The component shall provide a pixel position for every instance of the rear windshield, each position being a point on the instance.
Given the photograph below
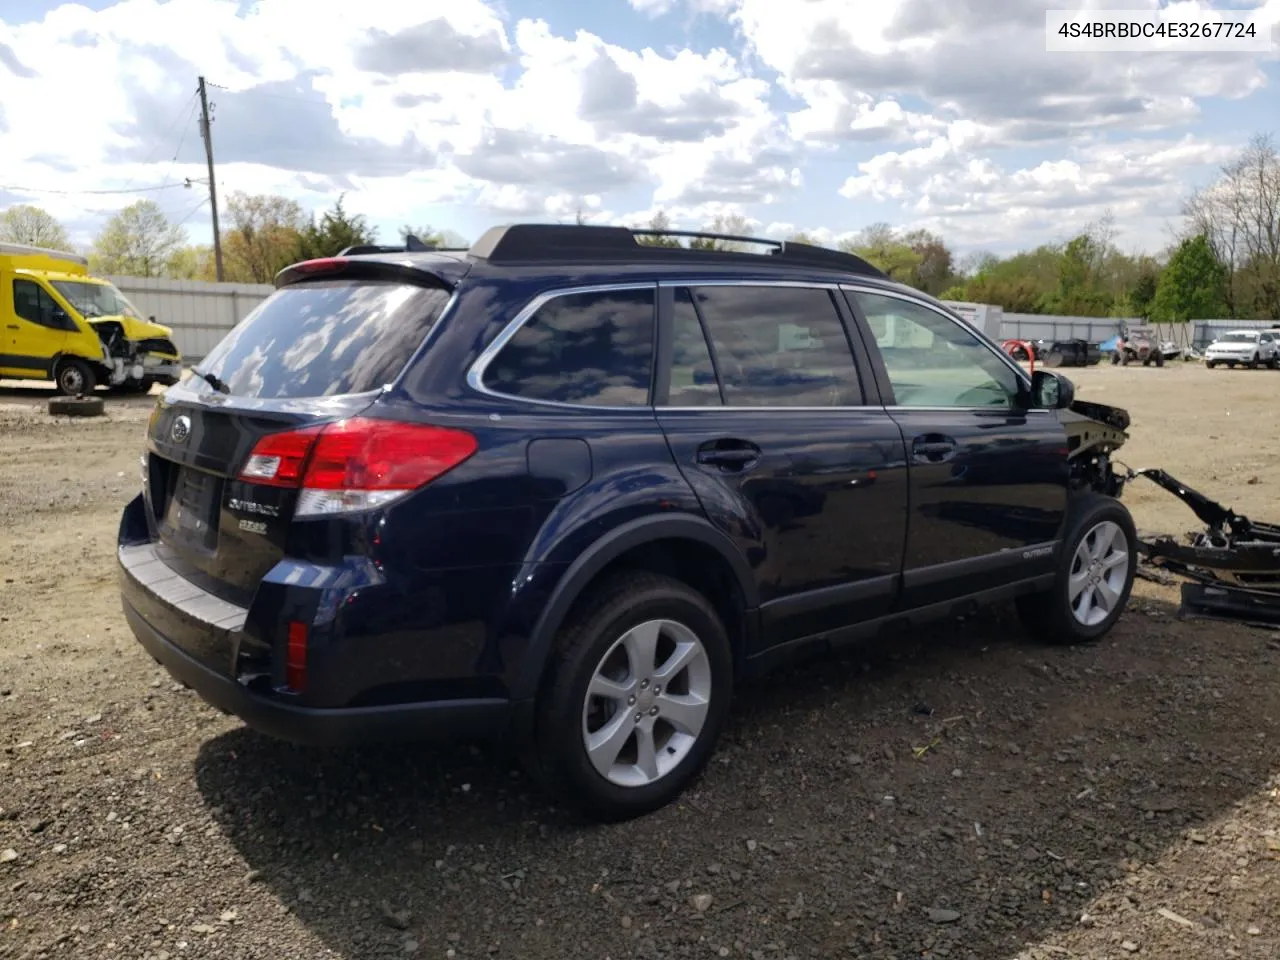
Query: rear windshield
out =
(320, 338)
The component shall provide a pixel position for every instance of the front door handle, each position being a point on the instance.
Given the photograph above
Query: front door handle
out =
(13, 326)
(735, 455)
(933, 448)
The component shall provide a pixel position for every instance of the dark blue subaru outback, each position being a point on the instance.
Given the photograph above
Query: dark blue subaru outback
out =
(569, 487)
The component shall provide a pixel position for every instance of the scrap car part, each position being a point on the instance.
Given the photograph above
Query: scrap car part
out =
(1233, 563)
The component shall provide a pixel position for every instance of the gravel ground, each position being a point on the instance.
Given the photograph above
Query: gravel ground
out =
(1115, 801)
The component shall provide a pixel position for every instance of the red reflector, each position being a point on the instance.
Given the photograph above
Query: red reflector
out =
(295, 664)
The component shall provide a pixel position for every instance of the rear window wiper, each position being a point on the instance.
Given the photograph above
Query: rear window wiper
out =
(212, 381)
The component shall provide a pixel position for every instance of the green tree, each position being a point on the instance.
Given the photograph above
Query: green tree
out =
(334, 232)
(266, 235)
(190, 263)
(1078, 290)
(1193, 285)
(24, 223)
(137, 241)
(937, 267)
(733, 224)
(879, 246)
(659, 222)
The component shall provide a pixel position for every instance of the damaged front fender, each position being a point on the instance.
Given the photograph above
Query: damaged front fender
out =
(1094, 432)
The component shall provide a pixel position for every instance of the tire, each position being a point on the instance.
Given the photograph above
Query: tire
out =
(1054, 359)
(1210, 364)
(1159, 357)
(1272, 362)
(1253, 364)
(74, 378)
(601, 636)
(1115, 358)
(1049, 615)
(76, 406)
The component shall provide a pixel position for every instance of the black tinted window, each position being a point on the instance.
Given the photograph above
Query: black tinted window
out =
(693, 378)
(30, 302)
(779, 346)
(590, 348)
(327, 337)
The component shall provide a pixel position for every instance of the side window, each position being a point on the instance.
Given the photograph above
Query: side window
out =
(932, 361)
(693, 377)
(30, 302)
(589, 348)
(779, 346)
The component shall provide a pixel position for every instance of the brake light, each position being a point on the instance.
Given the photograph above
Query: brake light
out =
(356, 464)
(320, 265)
(295, 659)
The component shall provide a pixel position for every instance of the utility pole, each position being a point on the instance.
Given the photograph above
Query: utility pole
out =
(207, 134)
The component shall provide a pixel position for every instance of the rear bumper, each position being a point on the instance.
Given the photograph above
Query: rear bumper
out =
(186, 604)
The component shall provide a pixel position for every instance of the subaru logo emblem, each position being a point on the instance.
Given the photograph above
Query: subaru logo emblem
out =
(180, 430)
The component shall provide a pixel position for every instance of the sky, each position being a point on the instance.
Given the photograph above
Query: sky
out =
(821, 116)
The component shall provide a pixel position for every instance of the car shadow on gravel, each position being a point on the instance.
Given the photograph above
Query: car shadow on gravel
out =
(959, 792)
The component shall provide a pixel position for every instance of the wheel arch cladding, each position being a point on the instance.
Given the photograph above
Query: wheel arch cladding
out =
(687, 548)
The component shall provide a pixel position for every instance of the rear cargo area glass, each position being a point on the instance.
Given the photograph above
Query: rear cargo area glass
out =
(325, 337)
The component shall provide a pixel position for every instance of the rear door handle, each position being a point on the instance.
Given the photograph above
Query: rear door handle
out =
(728, 454)
(933, 448)
(13, 326)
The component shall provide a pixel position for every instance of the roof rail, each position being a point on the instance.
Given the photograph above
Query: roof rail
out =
(542, 242)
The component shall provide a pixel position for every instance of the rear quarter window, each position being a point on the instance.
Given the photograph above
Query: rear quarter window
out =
(593, 348)
(327, 337)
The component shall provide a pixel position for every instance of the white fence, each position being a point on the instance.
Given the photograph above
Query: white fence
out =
(201, 314)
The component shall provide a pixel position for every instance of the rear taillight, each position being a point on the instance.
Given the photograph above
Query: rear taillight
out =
(356, 464)
(278, 458)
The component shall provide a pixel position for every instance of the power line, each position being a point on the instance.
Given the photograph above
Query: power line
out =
(192, 212)
(76, 193)
(182, 139)
(188, 103)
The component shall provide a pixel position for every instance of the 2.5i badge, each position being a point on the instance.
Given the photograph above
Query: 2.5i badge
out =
(254, 526)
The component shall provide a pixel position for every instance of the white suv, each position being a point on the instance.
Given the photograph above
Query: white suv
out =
(1246, 347)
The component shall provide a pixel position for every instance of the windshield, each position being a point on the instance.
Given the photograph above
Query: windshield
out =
(95, 299)
(1237, 338)
(321, 338)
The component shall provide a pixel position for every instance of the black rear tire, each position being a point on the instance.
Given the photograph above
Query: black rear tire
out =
(1159, 359)
(74, 377)
(558, 757)
(1049, 615)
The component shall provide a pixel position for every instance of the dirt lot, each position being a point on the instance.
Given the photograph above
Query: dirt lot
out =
(1115, 801)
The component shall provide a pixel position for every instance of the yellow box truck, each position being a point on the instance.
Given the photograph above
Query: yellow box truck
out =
(59, 323)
